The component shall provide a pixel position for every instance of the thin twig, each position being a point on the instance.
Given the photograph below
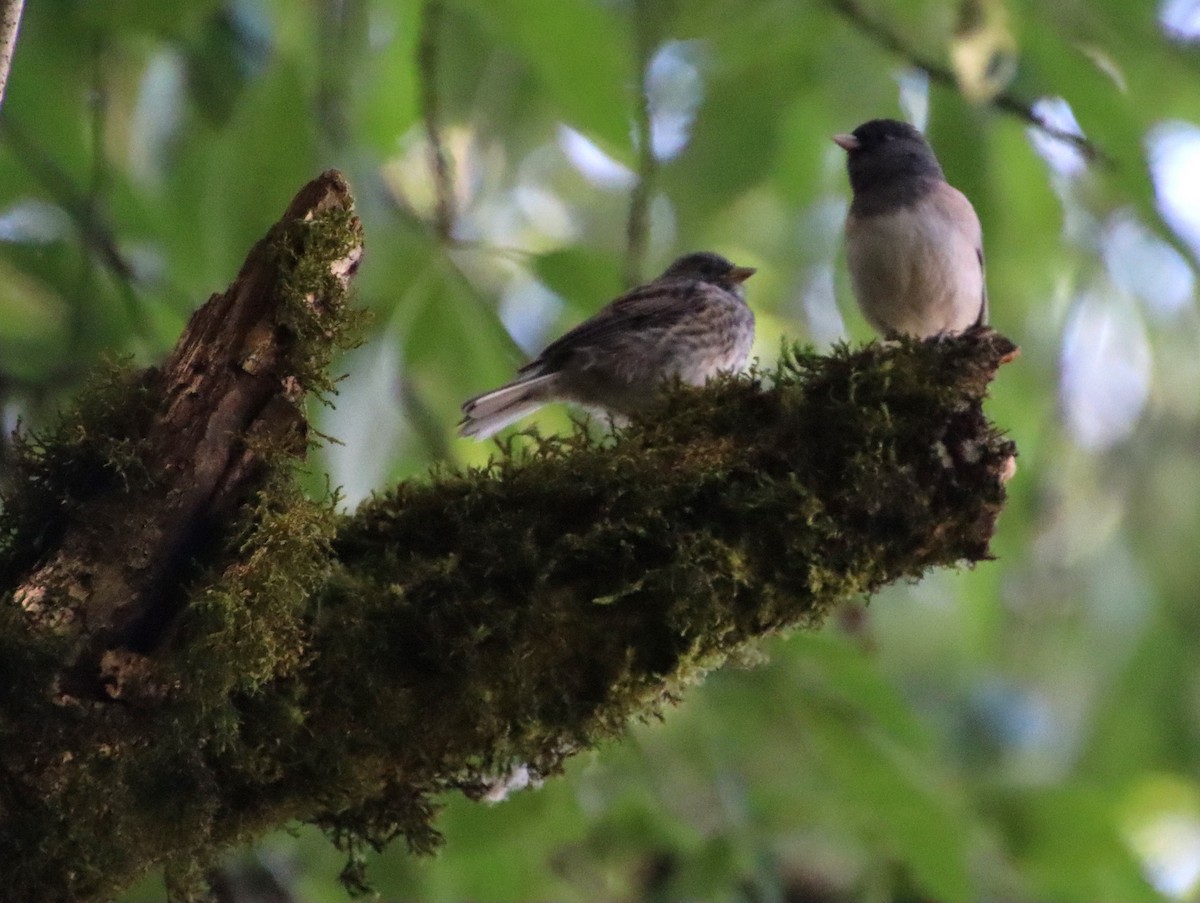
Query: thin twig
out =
(507, 252)
(882, 35)
(342, 28)
(97, 191)
(10, 24)
(97, 234)
(638, 226)
(439, 159)
(426, 420)
(60, 185)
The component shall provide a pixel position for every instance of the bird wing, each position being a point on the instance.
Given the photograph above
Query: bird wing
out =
(953, 204)
(983, 308)
(655, 306)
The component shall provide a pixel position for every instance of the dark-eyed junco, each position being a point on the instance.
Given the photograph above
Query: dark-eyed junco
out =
(690, 323)
(914, 245)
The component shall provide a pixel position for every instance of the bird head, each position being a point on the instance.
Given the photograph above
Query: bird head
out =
(708, 267)
(886, 150)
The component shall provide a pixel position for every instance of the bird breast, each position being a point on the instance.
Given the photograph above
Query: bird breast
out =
(917, 270)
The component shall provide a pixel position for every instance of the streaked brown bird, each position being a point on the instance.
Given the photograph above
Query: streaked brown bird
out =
(914, 246)
(690, 323)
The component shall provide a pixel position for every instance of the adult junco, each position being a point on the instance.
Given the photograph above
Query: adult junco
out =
(691, 322)
(914, 245)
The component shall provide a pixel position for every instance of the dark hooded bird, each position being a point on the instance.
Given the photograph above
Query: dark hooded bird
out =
(688, 324)
(914, 246)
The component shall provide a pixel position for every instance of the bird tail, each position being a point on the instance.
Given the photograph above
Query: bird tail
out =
(492, 411)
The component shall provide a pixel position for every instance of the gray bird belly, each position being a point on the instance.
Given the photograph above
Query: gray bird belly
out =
(913, 274)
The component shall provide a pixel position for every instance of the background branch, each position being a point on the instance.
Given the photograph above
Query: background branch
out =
(439, 157)
(340, 39)
(1010, 103)
(637, 230)
(10, 24)
(97, 234)
(94, 201)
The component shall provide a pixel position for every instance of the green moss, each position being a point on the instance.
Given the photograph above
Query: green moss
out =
(188, 760)
(94, 447)
(314, 257)
(522, 611)
(247, 620)
(347, 670)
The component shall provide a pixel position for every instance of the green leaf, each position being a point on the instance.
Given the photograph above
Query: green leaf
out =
(1068, 846)
(229, 185)
(847, 679)
(33, 323)
(586, 279)
(867, 743)
(581, 53)
(385, 102)
(896, 806)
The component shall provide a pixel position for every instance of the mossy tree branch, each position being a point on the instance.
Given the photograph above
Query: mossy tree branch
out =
(469, 631)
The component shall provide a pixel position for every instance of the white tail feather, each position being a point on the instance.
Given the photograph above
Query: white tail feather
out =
(492, 411)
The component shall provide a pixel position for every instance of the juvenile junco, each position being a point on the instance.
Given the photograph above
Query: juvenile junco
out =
(914, 245)
(691, 322)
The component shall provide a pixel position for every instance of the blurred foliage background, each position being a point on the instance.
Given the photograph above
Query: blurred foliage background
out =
(1029, 730)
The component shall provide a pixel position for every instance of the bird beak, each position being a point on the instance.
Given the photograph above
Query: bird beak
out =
(846, 142)
(741, 274)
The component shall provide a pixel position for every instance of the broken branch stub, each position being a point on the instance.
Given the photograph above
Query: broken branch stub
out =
(232, 388)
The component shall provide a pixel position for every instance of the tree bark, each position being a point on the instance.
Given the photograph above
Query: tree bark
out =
(192, 653)
(231, 388)
(10, 24)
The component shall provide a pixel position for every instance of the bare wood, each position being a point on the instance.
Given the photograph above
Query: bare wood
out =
(230, 384)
